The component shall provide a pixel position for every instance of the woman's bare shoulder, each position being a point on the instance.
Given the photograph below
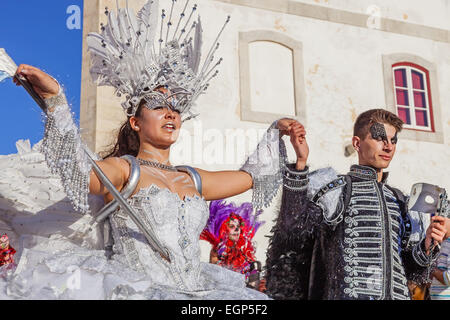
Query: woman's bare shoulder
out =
(116, 163)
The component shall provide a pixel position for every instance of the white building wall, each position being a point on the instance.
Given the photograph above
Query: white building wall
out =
(433, 13)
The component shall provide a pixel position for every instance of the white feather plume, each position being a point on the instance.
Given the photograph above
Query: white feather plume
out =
(7, 66)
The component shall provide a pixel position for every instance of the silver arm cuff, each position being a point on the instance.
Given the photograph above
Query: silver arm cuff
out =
(420, 256)
(265, 166)
(294, 180)
(64, 152)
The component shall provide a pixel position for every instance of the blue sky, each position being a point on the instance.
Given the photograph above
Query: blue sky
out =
(36, 33)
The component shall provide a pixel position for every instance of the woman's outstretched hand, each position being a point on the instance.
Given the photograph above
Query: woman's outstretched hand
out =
(297, 133)
(44, 85)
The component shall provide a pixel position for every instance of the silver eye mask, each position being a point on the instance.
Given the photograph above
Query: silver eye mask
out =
(177, 100)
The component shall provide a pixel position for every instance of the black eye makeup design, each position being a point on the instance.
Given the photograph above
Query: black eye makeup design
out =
(394, 139)
(378, 132)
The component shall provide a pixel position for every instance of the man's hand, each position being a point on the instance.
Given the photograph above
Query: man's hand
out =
(297, 133)
(284, 125)
(44, 85)
(436, 231)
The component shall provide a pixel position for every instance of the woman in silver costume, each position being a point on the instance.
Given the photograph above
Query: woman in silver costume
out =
(161, 83)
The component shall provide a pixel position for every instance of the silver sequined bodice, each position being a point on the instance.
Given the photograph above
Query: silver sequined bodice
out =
(177, 223)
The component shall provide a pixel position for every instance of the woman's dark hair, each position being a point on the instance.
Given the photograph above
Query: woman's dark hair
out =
(127, 139)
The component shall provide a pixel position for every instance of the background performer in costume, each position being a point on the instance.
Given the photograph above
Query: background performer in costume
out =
(230, 231)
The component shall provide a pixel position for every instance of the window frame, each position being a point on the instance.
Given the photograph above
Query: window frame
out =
(409, 67)
(245, 39)
(388, 63)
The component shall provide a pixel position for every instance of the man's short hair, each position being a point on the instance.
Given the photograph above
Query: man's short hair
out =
(366, 119)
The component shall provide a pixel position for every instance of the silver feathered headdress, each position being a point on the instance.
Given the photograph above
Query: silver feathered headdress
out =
(136, 55)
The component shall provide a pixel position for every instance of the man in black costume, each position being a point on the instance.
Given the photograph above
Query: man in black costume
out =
(349, 236)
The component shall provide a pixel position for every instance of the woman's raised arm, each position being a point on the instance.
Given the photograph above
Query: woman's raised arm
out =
(224, 184)
(63, 147)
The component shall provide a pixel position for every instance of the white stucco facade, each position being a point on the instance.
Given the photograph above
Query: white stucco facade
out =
(331, 53)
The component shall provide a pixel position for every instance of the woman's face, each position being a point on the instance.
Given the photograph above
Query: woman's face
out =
(159, 127)
(234, 230)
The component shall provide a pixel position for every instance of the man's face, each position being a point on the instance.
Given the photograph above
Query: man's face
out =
(378, 148)
(234, 230)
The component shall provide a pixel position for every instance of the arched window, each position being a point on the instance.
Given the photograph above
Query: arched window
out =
(412, 92)
(413, 96)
